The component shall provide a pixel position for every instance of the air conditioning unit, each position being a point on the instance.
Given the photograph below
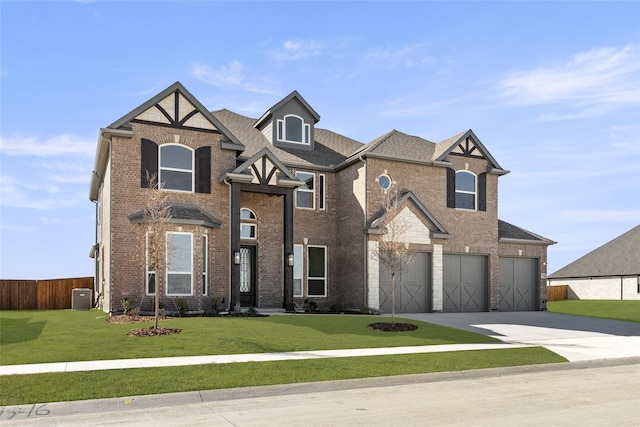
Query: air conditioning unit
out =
(81, 299)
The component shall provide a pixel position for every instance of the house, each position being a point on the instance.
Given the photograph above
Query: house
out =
(272, 212)
(610, 272)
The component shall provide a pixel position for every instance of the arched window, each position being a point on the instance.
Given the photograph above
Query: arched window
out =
(293, 129)
(176, 167)
(465, 190)
(248, 226)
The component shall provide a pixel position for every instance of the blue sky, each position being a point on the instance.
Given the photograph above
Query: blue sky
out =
(552, 89)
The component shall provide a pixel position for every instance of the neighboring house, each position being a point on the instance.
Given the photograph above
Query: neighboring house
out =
(611, 271)
(274, 211)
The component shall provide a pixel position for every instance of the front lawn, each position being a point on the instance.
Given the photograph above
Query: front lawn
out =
(42, 388)
(628, 311)
(65, 335)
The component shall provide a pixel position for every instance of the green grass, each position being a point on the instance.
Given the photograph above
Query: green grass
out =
(66, 335)
(628, 311)
(24, 389)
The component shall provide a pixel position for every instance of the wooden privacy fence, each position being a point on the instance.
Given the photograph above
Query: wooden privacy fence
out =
(40, 294)
(557, 293)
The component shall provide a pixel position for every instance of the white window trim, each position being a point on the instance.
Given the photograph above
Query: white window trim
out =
(325, 278)
(146, 268)
(385, 174)
(282, 135)
(313, 192)
(252, 226)
(205, 264)
(301, 260)
(322, 188)
(192, 170)
(249, 222)
(474, 192)
(167, 272)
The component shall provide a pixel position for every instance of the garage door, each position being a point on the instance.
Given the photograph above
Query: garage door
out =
(518, 290)
(413, 286)
(465, 283)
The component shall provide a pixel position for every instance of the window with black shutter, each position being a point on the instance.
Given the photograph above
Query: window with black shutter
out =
(203, 170)
(148, 162)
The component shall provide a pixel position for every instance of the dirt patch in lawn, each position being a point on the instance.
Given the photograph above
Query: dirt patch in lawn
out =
(143, 332)
(393, 327)
(153, 332)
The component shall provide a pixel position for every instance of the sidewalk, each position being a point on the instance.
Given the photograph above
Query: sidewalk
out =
(99, 365)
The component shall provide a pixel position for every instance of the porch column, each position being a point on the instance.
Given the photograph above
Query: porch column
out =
(288, 249)
(437, 281)
(235, 244)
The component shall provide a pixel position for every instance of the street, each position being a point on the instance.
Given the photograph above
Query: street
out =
(580, 395)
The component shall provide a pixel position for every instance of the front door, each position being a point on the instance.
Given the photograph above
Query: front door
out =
(248, 276)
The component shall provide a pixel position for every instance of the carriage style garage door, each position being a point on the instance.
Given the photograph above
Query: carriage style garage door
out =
(518, 291)
(465, 283)
(413, 286)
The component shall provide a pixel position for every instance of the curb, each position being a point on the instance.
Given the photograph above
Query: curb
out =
(120, 404)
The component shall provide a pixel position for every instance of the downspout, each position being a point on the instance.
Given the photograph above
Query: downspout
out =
(621, 288)
(96, 261)
(229, 246)
(365, 238)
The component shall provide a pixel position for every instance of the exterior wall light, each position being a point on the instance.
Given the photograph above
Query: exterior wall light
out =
(290, 260)
(236, 258)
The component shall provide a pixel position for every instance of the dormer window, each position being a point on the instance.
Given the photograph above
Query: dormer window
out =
(293, 129)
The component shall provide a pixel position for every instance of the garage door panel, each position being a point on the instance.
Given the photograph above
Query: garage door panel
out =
(517, 284)
(412, 286)
(465, 283)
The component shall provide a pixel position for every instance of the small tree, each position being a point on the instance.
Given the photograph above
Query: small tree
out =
(151, 230)
(393, 251)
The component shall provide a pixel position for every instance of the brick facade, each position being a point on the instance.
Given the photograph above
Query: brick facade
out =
(351, 197)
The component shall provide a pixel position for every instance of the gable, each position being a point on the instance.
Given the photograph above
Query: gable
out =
(410, 229)
(468, 145)
(177, 108)
(412, 223)
(467, 148)
(264, 168)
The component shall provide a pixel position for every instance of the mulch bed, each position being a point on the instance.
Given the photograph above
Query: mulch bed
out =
(393, 327)
(143, 332)
(153, 332)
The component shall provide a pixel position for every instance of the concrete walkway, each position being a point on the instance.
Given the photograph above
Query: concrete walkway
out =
(100, 365)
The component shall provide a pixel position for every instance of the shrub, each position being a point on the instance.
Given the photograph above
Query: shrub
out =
(215, 305)
(183, 307)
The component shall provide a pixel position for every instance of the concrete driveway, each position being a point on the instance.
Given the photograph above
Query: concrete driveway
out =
(573, 337)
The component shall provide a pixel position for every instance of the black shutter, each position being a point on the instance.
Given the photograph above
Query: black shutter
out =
(203, 170)
(148, 162)
(451, 188)
(482, 192)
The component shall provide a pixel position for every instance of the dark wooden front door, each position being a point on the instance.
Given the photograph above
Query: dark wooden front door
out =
(248, 276)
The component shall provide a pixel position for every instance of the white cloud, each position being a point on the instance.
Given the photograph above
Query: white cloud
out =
(294, 50)
(59, 145)
(228, 75)
(20, 194)
(594, 82)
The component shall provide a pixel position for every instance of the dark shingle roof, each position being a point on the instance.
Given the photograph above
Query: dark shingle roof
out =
(330, 147)
(509, 232)
(182, 213)
(400, 146)
(619, 257)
